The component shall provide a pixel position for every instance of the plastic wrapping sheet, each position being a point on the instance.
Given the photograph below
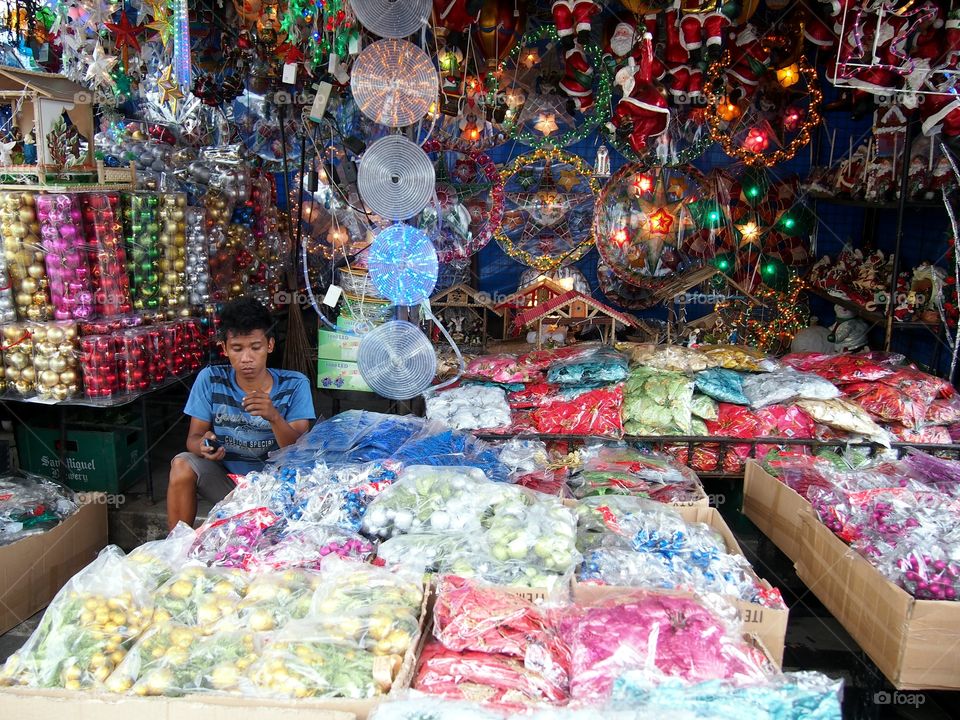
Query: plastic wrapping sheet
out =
(502, 368)
(596, 411)
(156, 561)
(623, 470)
(784, 386)
(482, 618)
(594, 365)
(841, 414)
(943, 412)
(470, 407)
(30, 505)
(839, 368)
(426, 707)
(791, 696)
(722, 385)
(86, 630)
(543, 359)
(738, 357)
(677, 358)
(666, 636)
(534, 395)
(657, 402)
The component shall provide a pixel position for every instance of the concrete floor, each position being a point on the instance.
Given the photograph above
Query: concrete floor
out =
(815, 641)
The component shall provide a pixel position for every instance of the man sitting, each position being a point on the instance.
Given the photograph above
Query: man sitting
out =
(238, 413)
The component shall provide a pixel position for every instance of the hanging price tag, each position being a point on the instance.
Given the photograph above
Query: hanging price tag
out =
(289, 73)
(332, 296)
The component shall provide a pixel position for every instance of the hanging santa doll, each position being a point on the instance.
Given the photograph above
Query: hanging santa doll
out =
(577, 81)
(573, 18)
(642, 112)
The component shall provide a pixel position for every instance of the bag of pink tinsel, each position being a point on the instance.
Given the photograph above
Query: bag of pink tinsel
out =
(663, 635)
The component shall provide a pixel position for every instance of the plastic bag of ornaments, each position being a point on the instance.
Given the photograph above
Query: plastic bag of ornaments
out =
(150, 149)
(24, 257)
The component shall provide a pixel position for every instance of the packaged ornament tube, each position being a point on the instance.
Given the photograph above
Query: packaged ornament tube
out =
(98, 361)
(142, 228)
(18, 368)
(109, 325)
(219, 209)
(268, 243)
(55, 360)
(133, 374)
(8, 312)
(198, 257)
(193, 345)
(173, 257)
(106, 253)
(24, 256)
(156, 349)
(68, 267)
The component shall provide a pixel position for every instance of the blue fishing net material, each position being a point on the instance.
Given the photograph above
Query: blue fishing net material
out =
(358, 436)
(792, 696)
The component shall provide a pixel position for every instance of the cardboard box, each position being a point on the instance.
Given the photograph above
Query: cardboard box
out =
(337, 346)
(339, 375)
(768, 624)
(34, 569)
(32, 704)
(97, 460)
(774, 508)
(915, 643)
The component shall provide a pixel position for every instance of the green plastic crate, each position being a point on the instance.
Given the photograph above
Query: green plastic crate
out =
(97, 460)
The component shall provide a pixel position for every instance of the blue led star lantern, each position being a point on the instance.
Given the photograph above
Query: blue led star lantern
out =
(403, 264)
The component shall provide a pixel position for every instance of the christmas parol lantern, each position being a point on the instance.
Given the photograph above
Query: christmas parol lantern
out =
(547, 95)
(549, 199)
(751, 227)
(642, 221)
(469, 202)
(759, 113)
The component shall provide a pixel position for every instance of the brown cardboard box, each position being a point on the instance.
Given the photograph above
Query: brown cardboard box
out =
(774, 508)
(32, 704)
(34, 569)
(915, 643)
(768, 624)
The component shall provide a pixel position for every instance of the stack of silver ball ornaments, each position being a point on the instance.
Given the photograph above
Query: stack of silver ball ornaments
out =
(152, 157)
(198, 256)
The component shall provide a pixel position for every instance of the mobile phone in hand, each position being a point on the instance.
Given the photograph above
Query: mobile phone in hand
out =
(212, 444)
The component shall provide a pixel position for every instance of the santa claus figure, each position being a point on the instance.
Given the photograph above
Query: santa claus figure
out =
(750, 60)
(574, 18)
(577, 81)
(642, 112)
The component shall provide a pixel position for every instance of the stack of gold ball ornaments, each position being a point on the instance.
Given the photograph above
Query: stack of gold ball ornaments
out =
(55, 360)
(142, 230)
(24, 256)
(173, 258)
(18, 370)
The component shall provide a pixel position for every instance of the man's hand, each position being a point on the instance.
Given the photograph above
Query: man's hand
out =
(211, 453)
(259, 404)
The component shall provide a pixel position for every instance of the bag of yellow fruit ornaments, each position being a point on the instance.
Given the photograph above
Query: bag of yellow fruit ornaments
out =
(203, 597)
(174, 660)
(369, 607)
(87, 629)
(156, 561)
(275, 598)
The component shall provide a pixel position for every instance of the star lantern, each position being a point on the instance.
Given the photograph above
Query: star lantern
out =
(660, 222)
(789, 75)
(125, 36)
(546, 124)
(100, 67)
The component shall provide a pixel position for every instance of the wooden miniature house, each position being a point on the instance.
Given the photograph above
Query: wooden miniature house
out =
(37, 101)
(527, 297)
(572, 309)
(464, 312)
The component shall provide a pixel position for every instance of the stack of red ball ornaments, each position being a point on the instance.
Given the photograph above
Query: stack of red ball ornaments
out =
(104, 244)
(98, 360)
(132, 361)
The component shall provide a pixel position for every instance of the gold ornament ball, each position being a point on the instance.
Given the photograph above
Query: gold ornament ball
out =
(70, 332)
(11, 373)
(57, 363)
(23, 387)
(62, 392)
(55, 334)
(41, 363)
(36, 272)
(18, 230)
(29, 374)
(68, 377)
(28, 285)
(26, 215)
(24, 299)
(17, 359)
(27, 199)
(66, 349)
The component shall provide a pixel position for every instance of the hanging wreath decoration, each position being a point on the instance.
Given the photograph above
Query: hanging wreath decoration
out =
(549, 198)
(768, 123)
(470, 200)
(547, 100)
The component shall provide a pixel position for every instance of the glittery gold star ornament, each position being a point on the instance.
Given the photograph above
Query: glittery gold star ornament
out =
(170, 92)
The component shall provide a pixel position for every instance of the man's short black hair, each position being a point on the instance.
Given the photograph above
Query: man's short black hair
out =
(244, 316)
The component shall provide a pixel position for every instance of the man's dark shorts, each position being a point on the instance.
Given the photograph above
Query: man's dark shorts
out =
(213, 482)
